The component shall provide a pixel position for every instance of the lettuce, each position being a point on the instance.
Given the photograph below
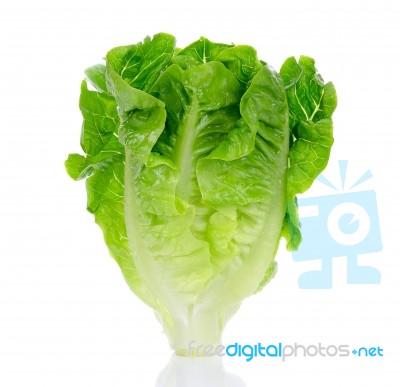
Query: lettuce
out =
(193, 160)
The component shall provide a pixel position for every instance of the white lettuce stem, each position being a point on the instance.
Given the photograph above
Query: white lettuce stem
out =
(196, 334)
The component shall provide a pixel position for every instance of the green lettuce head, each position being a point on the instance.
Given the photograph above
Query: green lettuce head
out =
(193, 159)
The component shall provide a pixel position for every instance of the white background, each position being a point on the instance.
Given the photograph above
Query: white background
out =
(66, 316)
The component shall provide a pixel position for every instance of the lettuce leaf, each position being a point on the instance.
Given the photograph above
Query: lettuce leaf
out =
(311, 105)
